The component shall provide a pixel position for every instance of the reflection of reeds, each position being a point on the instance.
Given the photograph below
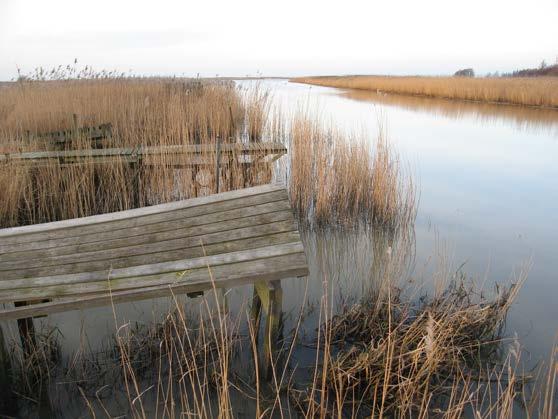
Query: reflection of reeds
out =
(538, 91)
(520, 116)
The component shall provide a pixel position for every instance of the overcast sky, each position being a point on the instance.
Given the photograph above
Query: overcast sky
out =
(285, 38)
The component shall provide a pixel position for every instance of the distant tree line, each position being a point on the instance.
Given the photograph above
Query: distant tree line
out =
(543, 70)
(465, 72)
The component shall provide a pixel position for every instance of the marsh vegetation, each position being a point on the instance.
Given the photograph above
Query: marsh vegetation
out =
(540, 91)
(368, 340)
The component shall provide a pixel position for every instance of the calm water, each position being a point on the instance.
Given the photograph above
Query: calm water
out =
(488, 184)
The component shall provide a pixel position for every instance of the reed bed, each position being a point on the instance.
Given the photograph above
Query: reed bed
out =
(158, 112)
(388, 355)
(538, 91)
(332, 178)
(336, 179)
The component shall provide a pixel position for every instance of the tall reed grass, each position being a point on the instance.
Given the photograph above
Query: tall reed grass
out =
(331, 177)
(155, 112)
(335, 178)
(539, 91)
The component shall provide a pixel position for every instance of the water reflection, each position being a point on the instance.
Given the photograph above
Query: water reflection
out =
(523, 118)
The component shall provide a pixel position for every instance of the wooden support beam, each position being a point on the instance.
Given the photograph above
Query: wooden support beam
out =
(271, 300)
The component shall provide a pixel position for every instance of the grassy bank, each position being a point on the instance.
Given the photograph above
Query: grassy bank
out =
(540, 91)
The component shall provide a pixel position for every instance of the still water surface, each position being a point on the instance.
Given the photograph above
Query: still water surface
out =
(488, 183)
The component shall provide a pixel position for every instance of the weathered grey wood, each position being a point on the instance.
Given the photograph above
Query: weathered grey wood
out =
(139, 153)
(225, 276)
(113, 237)
(60, 137)
(189, 253)
(218, 241)
(88, 249)
(93, 260)
(128, 227)
(159, 212)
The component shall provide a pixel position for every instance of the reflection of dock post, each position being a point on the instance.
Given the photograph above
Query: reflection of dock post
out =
(8, 402)
(26, 332)
(269, 296)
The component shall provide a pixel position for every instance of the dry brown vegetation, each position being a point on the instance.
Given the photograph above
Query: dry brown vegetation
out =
(142, 113)
(540, 91)
(385, 356)
(333, 178)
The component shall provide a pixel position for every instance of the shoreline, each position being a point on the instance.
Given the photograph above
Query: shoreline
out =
(314, 81)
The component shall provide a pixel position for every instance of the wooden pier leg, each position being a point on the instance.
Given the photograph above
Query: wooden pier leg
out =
(135, 166)
(26, 332)
(255, 312)
(271, 296)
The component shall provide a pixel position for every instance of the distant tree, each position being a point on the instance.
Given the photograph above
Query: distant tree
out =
(543, 65)
(465, 72)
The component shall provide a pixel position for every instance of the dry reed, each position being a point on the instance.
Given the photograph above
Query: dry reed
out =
(143, 113)
(338, 179)
(539, 91)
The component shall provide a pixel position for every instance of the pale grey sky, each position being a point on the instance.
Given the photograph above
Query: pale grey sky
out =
(236, 38)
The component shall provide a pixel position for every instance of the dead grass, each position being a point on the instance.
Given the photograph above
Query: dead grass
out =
(336, 179)
(143, 113)
(539, 91)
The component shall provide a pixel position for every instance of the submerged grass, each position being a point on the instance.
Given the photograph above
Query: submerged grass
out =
(388, 355)
(538, 91)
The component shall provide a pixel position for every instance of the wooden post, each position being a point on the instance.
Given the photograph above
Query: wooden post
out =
(75, 118)
(217, 164)
(255, 312)
(271, 297)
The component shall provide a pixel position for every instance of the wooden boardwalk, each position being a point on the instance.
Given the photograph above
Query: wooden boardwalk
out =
(182, 155)
(220, 240)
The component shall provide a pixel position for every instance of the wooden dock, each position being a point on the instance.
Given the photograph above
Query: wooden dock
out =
(246, 236)
(234, 237)
(177, 155)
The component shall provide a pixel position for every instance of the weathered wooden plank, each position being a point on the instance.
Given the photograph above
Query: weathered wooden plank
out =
(223, 276)
(144, 152)
(160, 212)
(112, 238)
(148, 243)
(181, 254)
(119, 256)
(174, 272)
